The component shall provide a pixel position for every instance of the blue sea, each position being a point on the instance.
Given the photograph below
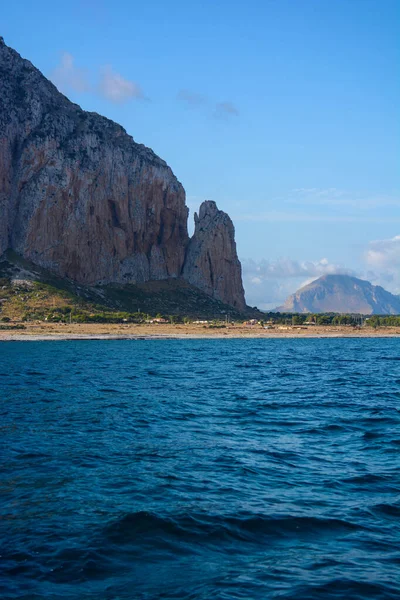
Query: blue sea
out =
(200, 469)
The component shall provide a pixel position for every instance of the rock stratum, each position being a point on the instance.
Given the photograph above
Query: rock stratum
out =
(79, 197)
(342, 294)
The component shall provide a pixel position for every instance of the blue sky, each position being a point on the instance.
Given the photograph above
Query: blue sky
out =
(285, 112)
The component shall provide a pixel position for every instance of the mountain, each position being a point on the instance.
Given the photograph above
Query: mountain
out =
(79, 197)
(342, 294)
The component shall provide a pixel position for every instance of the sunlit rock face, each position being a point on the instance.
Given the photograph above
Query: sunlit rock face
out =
(80, 197)
(211, 262)
(77, 194)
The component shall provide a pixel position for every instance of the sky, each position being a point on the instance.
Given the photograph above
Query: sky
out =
(285, 112)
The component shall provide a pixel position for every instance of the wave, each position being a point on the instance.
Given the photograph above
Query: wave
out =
(387, 509)
(340, 589)
(365, 478)
(215, 527)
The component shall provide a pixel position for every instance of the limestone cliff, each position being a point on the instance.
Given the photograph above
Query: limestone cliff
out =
(79, 197)
(77, 194)
(211, 261)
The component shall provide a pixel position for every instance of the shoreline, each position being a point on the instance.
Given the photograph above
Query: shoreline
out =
(57, 332)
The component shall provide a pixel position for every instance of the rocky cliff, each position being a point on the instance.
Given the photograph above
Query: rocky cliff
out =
(211, 261)
(342, 294)
(77, 194)
(79, 197)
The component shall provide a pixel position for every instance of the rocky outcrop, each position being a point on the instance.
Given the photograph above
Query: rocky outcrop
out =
(211, 261)
(77, 194)
(79, 197)
(342, 294)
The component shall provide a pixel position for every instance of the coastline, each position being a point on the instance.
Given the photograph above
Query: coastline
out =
(76, 331)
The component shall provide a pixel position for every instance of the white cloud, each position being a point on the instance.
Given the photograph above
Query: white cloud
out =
(384, 253)
(117, 89)
(112, 86)
(383, 259)
(66, 76)
(287, 267)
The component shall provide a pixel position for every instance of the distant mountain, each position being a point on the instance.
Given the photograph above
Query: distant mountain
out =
(342, 294)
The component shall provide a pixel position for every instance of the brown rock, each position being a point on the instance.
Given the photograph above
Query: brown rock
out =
(77, 194)
(211, 261)
(80, 197)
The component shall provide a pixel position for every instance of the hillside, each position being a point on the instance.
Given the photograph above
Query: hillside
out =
(342, 294)
(29, 292)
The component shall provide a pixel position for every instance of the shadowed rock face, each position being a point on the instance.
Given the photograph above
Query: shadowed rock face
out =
(342, 294)
(211, 262)
(77, 194)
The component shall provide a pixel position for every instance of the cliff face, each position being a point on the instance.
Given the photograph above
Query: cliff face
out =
(79, 197)
(342, 294)
(211, 261)
(77, 194)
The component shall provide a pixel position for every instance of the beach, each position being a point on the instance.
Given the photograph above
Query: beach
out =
(98, 331)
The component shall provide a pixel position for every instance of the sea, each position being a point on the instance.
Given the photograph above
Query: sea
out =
(200, 469)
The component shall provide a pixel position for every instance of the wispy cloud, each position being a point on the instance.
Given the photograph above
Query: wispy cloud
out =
(384, 254)
(219, 110)
(275, 216)
(116, 88)
(112, 86)
(342, 198)
(191, 99)
(287, 267)
(67, 76)
(382, 259)
(226, 109)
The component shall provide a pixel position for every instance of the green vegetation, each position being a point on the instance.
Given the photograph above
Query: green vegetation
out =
(29, 301)
(383, 321)
(354, 320)
(173, 297)
(35, 301)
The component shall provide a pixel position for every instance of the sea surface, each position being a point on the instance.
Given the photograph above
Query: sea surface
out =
(200, 469)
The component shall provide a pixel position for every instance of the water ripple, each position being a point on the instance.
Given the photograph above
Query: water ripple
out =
(200, 469)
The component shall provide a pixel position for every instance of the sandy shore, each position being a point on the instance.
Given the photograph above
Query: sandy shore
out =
(95, 331)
